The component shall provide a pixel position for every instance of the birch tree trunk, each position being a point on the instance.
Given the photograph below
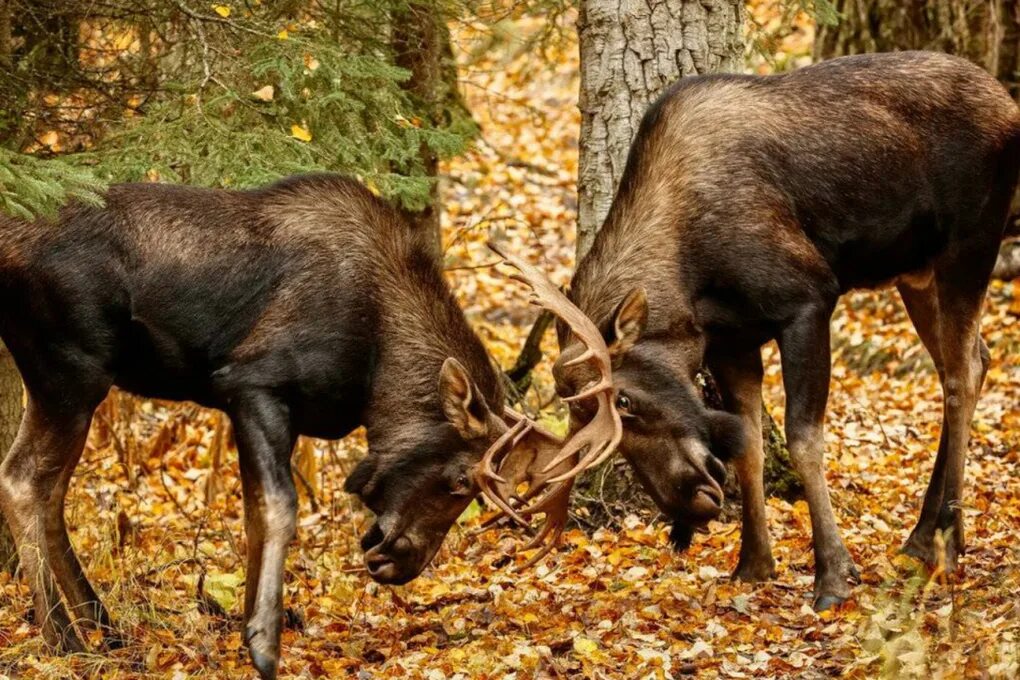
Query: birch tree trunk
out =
(631, 51)
(10, 419)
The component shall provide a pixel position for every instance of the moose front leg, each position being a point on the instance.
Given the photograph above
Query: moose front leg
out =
(804, 349)
(265, 442)
(738, 376)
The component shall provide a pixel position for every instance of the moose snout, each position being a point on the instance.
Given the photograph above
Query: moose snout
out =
(706, 498)
(381, 567)
(707, 502)
(392, 562)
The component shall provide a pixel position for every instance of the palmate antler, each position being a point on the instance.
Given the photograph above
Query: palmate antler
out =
(526, 453)
(519, 457)
(598, 439)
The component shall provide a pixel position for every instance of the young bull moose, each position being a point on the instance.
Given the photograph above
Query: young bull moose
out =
(747, 207)
(307, 307)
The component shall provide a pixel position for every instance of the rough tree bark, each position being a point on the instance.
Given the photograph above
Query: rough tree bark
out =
(421, 44)
(985, 31)
(10, 419)
(631, 51)
(6, 45)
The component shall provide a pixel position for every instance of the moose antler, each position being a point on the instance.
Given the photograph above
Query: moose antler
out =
(520, 456)
(598, 439)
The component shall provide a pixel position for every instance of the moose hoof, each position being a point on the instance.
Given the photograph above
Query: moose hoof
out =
(59, 634)
(265, 664)
(826, 602)
(921, 549)
(832, 586)
(755, 570)
(264, 650)
(63, 640)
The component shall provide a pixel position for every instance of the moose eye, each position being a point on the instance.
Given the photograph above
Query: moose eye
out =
(623, 403)
(461, 487)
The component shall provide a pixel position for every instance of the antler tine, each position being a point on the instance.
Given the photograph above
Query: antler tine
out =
(600, 437)
(486, 475)
(555, 505)
(550, 297)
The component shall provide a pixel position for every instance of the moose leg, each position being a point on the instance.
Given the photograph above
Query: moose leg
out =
(29, 477)
(965, 359)
(81, 597)
(738, 376)
(264, 442)
(922, 307)
(804, 350)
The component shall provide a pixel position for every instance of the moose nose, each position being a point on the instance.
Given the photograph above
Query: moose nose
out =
(372, 538)
(707, 501)
(381, 567)
(716, 469)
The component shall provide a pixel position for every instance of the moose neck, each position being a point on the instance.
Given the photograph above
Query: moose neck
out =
(639, 246)
(420, 326)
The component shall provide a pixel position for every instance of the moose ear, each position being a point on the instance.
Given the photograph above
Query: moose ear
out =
(726, 435)
(462, 403)
(629, 321)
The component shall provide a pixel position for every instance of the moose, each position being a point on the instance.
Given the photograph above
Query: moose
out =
(306, 307)
(747, 207)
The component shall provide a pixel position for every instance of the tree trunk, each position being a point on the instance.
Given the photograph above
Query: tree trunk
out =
(630, 53)
(6, 44)
(421, 44)
(986, 32)
(10, 419)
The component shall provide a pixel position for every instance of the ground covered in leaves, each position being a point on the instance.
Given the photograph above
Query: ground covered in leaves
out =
(160, 533)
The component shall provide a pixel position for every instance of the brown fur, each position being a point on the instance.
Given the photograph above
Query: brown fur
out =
(748, 205)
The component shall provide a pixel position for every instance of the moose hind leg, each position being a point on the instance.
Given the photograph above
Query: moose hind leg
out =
(965, 358)
(81, 597)
(265, 440)
(804, 351)
(28, 477)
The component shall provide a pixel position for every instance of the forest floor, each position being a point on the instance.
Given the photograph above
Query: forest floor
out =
(611, 603)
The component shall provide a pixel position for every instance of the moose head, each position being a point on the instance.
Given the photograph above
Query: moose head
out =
(417, 495)
(627, 392)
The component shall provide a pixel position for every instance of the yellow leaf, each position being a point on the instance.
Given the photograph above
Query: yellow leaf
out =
(585, 646)
(223, 588)
(283, 35)
(264, 94)
(222, 10)
(300, 132)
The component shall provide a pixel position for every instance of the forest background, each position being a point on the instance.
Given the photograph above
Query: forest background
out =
(479, 118)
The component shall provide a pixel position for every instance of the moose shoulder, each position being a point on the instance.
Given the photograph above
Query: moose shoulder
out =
(307, 307)
(747, 207)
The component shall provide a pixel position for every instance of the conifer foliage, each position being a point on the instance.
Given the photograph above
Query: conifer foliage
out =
(229, 93)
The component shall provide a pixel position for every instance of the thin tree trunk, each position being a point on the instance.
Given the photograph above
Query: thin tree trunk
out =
(421, 44)
(6, 45)
(630, 53)
(10, 419)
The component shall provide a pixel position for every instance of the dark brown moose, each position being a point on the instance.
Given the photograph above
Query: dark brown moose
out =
(307, 307)
(747, 207)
